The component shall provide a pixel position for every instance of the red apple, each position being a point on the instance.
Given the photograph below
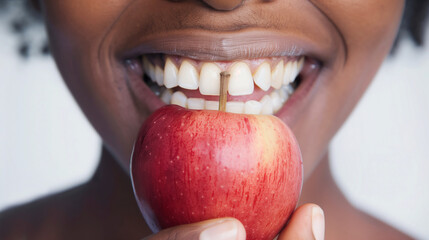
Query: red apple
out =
(190, 166)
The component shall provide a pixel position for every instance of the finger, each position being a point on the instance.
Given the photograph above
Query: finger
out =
(222, 229)
(307, 223)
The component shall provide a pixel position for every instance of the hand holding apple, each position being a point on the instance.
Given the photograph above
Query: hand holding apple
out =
(307, 222)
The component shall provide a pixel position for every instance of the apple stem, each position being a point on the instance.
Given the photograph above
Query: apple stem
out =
(224, 77)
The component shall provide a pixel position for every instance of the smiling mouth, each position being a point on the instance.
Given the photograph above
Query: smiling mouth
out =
(256, 86)
(270, 73)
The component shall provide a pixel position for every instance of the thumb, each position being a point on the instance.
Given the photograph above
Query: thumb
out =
(221, 229)
(307, 222)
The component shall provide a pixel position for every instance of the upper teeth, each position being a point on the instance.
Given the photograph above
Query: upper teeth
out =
(210, 79)
(207, 80)
(277, 75)
(170, 74)
(262, 76)
(241, 82)
(188, 76)
(149, 68)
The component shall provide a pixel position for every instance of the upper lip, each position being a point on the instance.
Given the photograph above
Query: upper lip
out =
(208, 46)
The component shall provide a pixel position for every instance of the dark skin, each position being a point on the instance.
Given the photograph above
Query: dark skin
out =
(105, 208)
(89, 41)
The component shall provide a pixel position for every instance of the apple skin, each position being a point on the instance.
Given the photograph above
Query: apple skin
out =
(188, 166)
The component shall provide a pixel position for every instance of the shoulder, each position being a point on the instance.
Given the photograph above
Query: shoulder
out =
(360, 225)
(78, 213)
(19, 222)
(376, 229)
(40, 219)
(12, 222)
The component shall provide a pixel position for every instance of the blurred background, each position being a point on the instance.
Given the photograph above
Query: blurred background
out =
(380, 158)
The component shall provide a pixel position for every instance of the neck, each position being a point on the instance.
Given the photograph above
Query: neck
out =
(109, 177)
(110, 188)
(320, 188)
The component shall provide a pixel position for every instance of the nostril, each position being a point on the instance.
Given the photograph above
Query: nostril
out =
(224, 5)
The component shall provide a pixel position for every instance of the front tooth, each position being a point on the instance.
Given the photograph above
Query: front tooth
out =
(196, 103)
(170, 74)
(188, 76)
(287, 73)
(276, 100)
(179, 98)
(235, 107)
(149, 68)
(252, 107)
(267, 105)
(159, 75)
(240, 82)
(212, 105)
(277, 75)
(166, 96)
(210, 79)
(262, 76)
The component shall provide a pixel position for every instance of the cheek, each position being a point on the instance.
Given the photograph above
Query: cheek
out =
(364, 24)
(83, 20)
(368, 29)
(77, 29)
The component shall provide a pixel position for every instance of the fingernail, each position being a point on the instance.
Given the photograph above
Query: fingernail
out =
(318, 223)
(226, 230)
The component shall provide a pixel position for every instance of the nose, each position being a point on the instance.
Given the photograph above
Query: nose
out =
(223, 5)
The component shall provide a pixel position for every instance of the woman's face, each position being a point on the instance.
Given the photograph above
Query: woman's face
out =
(100, 45)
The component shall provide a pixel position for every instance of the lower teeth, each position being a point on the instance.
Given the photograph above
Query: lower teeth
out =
(270, 103)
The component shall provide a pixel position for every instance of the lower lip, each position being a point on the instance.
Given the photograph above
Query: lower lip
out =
(288, 113)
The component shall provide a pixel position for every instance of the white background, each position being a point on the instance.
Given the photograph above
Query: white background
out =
(380, 156)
